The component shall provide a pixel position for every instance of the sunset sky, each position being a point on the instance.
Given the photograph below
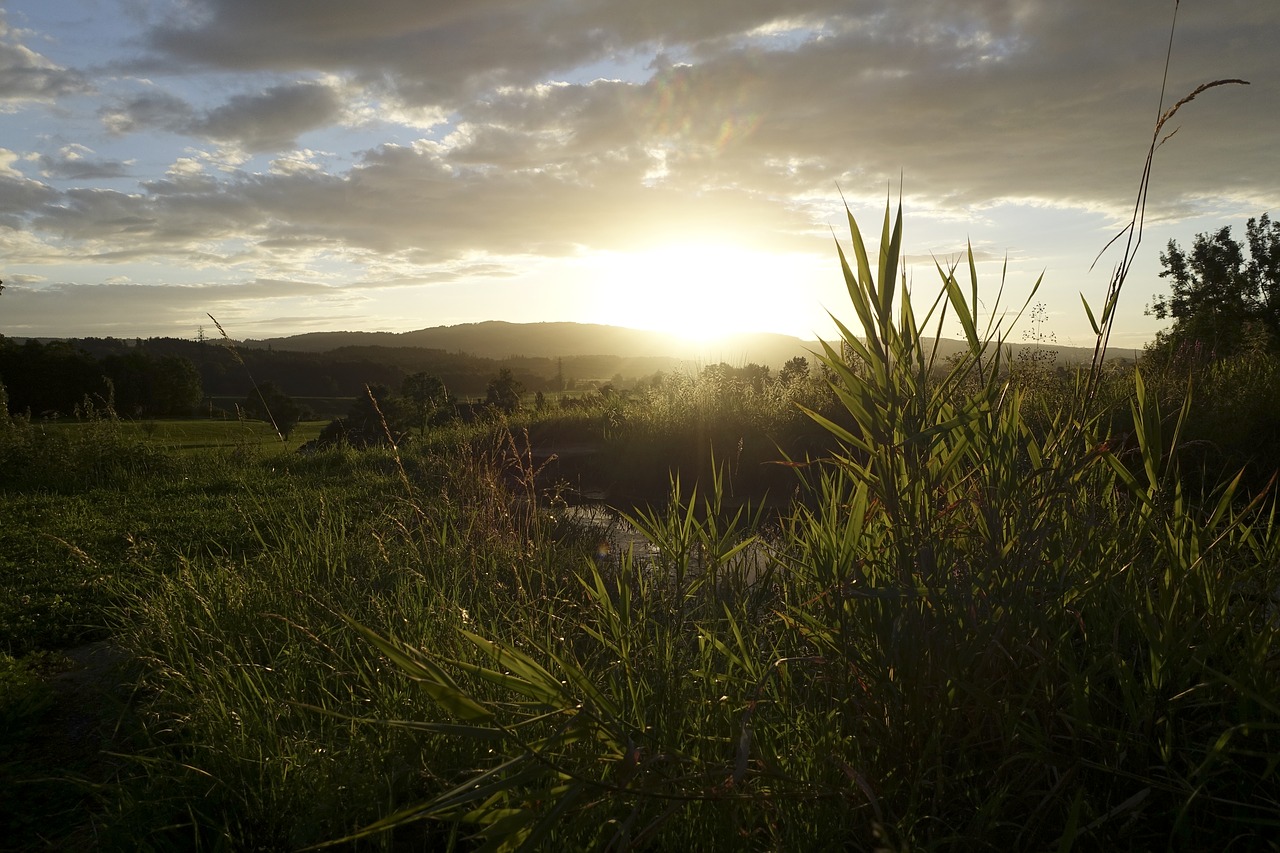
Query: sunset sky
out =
(308, 165)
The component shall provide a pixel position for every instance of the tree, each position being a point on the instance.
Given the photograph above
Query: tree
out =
(1218, 299)
(268, 403)
(48, 378)
(372, 420)
(175, 387)
(425, 396)
(504, 391)
(147, 386)
(795, 370)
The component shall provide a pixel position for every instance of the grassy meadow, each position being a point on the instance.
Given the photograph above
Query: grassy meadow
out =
(899, 604)
(189, 435)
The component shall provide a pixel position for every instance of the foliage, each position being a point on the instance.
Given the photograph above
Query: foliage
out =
(1233, 429)
(1219, 299)
(47, 378)
(425, 397)
(54, 378)
(24, 693)
(796, 370)
(504, 391)
(374, 419)
(268, 403)
(94, 450)
(150, 386)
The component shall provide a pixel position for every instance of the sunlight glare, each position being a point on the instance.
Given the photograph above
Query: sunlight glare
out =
(702, 291)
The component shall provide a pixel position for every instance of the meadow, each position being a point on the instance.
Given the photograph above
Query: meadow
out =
(902, 604)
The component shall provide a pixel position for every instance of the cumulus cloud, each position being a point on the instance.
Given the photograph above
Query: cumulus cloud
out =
(28, 76)
(273, 119)
(7, 159)
(22, 196)
(150, 110)
(77, 163)
(859, 90)
(267, 121)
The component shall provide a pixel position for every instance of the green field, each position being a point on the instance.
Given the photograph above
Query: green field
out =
(188, 435)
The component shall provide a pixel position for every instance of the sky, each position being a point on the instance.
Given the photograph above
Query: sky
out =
(388, 165)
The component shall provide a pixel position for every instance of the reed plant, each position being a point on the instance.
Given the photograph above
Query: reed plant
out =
(973, 634)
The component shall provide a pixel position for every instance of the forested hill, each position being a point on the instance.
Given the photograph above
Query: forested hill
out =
(169, 375)
(513, 341)
(500, 340)
(161, 376)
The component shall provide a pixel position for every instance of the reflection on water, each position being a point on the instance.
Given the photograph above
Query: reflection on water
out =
(616, 539)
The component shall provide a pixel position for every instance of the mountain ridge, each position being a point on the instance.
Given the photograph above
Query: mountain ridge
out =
(500, 339)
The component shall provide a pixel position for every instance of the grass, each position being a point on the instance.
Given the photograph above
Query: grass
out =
(190, 435)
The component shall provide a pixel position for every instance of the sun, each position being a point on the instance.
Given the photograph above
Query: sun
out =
(700, 291)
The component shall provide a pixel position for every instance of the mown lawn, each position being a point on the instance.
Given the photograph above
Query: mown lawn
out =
(198, 434)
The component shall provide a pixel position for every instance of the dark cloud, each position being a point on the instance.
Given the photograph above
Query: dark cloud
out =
(76, 163)
(149, 111)
(267, 121)
(273, 119)
(19, 195)
(28, 76)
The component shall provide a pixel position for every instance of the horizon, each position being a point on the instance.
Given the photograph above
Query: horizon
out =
(701, 350)
(293, 172)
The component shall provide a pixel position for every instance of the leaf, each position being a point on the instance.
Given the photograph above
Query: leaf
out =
(434, 680)
(1089, 311)
(537, 678)
(963, 313)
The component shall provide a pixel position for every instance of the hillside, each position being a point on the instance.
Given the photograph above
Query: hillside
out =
(501, 340)
(494, 339)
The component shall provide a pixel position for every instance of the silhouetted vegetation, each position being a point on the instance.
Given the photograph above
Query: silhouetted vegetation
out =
(1221, 302)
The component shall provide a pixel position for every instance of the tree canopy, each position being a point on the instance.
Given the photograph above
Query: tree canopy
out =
(425, 396)
(1221, 299)
(267, 402)
(504, 391)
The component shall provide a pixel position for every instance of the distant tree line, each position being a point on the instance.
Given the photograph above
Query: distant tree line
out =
(167, 377)
(163, 377)
(343, 372)
(58, 378)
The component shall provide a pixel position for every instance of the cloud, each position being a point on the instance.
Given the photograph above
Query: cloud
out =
(75, 163)
(273, 119)
(126, 308)
(7, 159)
(150, 110)
(27, 76)
(790, 100)
(21, 196)
(267, 121)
